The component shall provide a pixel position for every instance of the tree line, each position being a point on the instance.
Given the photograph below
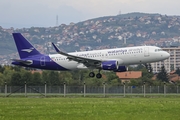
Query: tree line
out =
(17, 76)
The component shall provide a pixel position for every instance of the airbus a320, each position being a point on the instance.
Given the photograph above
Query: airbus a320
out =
(108, 59)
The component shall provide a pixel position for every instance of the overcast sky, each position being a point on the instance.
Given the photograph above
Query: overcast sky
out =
(42, 13)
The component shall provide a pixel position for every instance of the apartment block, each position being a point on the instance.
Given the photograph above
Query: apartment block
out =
(172, 63)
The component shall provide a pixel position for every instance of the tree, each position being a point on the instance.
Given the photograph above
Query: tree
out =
(135, 82)
(16, 68)
(112, 78)
(66, 77)
(16, 79)
(139, 67)
(26, 76)
(162, 75)
(36, 79)
(94, 81)
(8, 72)
(53, 78)
(2, 69)
(1, 79)
(146, 73)
(150, 70)
(77, 74)
(45, 76)
(178, 71)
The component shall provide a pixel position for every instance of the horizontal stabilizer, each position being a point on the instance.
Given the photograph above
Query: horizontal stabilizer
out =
(27, 62)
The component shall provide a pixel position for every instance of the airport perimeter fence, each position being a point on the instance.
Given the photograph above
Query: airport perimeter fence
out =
(85, 91)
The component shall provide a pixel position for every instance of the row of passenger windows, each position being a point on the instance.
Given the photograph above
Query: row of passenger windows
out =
(106, 55)
(157, 50)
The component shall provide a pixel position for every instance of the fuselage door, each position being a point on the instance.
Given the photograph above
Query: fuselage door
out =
(146, 52)
(42, 61)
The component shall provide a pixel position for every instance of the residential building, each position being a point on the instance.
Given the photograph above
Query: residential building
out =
(172, 63)
(128, 75)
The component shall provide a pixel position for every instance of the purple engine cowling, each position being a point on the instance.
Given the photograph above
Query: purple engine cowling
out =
(113, 65)
(109, 65)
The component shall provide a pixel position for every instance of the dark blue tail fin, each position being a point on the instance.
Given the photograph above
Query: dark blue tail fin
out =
(25, 49)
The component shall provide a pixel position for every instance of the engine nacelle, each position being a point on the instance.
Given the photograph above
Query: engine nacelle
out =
(109, 65)
(121, 69)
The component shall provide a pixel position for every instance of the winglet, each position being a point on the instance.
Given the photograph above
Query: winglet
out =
(58, 51)
(56, 48)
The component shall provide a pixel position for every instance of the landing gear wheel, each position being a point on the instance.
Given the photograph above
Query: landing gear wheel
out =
(91, 74)
(98, 75)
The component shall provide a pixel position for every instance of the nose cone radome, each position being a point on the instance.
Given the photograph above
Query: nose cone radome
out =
(166, 55)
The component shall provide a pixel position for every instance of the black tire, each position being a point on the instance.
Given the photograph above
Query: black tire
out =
(98, 75)
(91, 74)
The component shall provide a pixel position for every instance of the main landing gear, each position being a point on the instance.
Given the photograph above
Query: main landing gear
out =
(98, 75)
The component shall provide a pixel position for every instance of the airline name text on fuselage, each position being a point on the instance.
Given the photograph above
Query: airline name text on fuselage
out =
(111, 52)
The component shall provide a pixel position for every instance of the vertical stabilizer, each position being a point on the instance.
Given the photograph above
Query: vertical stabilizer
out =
(25, 49)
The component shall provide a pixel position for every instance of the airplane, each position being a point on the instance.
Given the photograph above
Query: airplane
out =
(108, 59)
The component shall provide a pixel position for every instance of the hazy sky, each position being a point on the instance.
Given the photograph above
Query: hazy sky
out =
(42, 13)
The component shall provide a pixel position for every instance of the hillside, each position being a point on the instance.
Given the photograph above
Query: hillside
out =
(104, 32)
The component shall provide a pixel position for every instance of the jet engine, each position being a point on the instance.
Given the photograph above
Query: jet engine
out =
(109, 65)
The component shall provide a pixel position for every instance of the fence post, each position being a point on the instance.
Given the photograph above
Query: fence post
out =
(164, 89)
(5, 89)
(150, 89)
(158, 89)
(45, 89)
(177, 89)
(25, 89)
(104, 90)
(124, 88)
(64, 89)
(84, 89)
(144, 90)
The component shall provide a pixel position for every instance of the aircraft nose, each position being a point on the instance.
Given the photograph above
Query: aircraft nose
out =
(166, 55)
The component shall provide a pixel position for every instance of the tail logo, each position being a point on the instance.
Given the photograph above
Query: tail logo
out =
(28, 50)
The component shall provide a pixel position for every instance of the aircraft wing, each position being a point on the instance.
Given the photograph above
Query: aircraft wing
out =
(86, 61)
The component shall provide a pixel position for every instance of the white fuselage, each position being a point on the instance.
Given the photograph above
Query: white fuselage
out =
(124, 56)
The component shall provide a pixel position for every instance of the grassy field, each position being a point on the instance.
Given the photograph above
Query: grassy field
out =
(90, 108)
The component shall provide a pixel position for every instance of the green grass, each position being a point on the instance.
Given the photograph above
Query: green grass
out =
(89, 108)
